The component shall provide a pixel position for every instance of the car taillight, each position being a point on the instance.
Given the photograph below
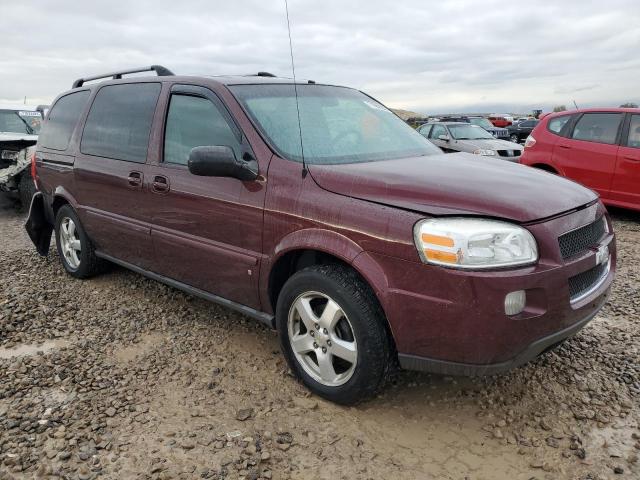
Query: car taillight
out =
(33, 171)
(529, 142)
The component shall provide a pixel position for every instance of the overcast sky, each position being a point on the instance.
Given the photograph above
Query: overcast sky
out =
(428, 56)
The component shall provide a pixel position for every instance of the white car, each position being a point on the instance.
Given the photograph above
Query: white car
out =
(19, 129)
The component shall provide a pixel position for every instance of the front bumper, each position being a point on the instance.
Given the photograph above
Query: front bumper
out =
(453, 321)
(532, 351)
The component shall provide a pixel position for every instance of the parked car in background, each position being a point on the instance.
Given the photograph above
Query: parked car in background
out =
(500, 120)
(501, 133)
(520, 131)
(358, 241)
(19, 129)
(466, 137)
(599, 148)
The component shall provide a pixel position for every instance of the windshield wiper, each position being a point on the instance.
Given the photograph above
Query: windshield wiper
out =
(30, 130)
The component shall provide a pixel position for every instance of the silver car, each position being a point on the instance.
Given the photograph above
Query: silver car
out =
(465, 137)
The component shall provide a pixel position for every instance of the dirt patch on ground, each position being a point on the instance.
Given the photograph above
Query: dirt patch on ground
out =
(151, 383)
(14, 236)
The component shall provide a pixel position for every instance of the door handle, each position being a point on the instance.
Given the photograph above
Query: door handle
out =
(135, 179)
(632, 159)
(160, 184)
(566, 147)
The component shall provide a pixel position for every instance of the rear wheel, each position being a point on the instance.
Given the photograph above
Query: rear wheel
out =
(74, 246)
(26, 190)
(332, 332)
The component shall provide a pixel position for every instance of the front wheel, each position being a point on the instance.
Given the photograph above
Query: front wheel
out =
(332, 331)
(514, 138)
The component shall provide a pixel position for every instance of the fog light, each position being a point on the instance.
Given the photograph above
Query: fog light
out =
(514, 302)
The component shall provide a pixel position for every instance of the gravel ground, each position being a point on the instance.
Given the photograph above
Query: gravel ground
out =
(121, 377)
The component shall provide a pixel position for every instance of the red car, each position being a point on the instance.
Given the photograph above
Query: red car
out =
(359, 240)
(599, 148)
(500, 121)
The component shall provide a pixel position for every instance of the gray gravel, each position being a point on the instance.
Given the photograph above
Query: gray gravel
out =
(121, 377)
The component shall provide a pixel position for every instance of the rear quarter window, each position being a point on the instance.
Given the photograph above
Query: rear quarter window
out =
(63, 118)
(119, 122)
(556, 124)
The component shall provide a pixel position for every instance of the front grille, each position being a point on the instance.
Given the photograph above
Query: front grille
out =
(509, 153)
(580, 284)
(582, 239)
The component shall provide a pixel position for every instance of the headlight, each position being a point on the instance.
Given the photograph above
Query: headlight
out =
(10, 155)
(474, 243)
(482, 151)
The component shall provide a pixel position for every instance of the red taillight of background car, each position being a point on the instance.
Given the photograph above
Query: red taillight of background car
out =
(529, 142)
(33, 171)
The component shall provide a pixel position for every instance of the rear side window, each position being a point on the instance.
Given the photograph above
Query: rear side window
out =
(634, 132)
(556, 124)
(195, 122)
(62, 120)
(598, 127)
(119, 122)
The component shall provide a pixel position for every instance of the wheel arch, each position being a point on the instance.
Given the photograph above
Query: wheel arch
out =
(546, 167)
(300, 249)
(62, 196)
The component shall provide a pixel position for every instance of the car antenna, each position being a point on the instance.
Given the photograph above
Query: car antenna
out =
(574, 102)
(295, 89)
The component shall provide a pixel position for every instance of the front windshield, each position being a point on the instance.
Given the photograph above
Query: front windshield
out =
(339, 125)
(19, 121)
(469, 132)
(481, 122)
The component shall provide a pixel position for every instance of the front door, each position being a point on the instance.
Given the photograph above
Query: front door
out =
(206, 231)
(434, 136)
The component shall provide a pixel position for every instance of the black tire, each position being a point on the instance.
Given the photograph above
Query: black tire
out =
(26, 190)
(367, 322)
(514, 138)
(89, 264)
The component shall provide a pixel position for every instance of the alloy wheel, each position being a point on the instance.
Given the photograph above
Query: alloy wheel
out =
(70, 242)
(322, 339)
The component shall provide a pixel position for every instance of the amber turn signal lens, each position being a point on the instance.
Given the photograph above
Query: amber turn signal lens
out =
(437, 240)
(440, 256)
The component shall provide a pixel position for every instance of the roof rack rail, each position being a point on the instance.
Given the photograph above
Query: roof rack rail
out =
(159, 69)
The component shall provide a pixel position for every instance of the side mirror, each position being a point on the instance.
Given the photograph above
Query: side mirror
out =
(220, 161)
(443, 137)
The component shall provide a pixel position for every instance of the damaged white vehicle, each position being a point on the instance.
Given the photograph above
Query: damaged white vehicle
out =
(19, 129)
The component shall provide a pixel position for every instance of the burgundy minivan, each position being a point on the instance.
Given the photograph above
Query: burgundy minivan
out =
(317, 211)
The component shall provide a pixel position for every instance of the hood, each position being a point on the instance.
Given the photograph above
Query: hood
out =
(19, 140)
(454, 184)
(488, 144)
